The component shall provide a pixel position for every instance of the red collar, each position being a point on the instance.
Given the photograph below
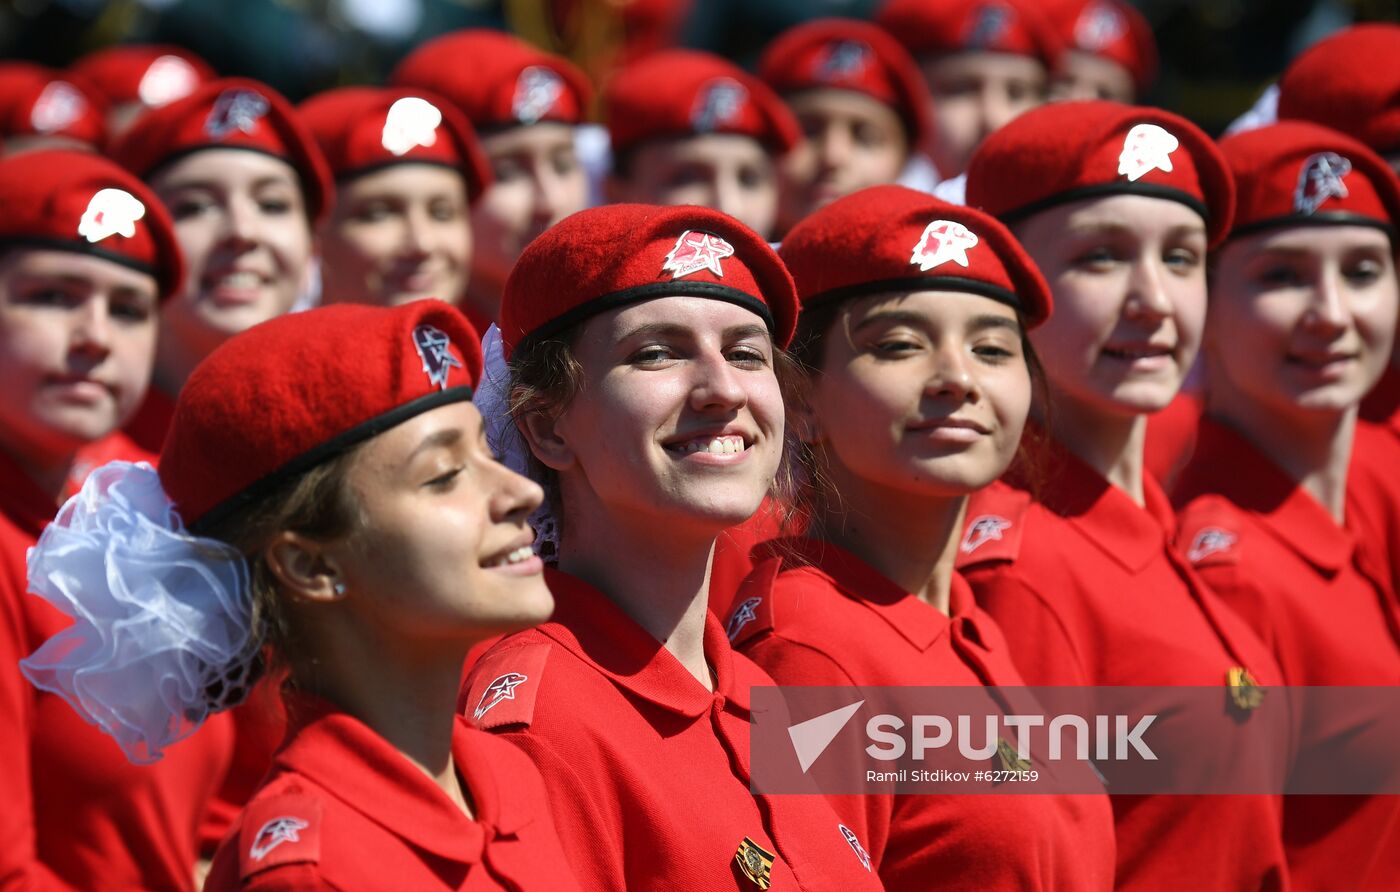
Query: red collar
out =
(152, 420)
(1127, 534)
(354, 764)
(1227, 463)
(22, 500)
(596, 630)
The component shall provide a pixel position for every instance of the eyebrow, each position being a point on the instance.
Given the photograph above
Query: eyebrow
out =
(437, 440)
(217, 186)
(675, 330)
(896, 317)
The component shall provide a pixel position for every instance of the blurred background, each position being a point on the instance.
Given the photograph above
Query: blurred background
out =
(1217, 55)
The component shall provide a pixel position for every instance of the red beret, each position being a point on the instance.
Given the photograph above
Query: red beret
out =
(1295, 173)
(929, 27)
(38, 101)
(77, 201)
(496, 79)
(687, 93)
(1349, 82)
(150, 75)
(286, 395)
(845, 54)
(1066, 151)
(889, 238)
(617, 254)
(233, 113)
(361, 129)
(1110, 29)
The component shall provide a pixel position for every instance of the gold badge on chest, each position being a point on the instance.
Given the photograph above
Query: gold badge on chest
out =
(755, 862)
(1245, 693)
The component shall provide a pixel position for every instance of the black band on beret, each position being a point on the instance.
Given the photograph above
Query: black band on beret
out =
(79, 247)
(648, 292)
(1102, 190)
(1324, 218)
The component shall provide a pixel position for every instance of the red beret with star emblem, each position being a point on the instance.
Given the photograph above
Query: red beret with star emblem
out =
(233, 113)
(288, 394)
(1350, 82)
(936, 27)
(152, 75)
(845, 54)
(679, 93)
(38, 101)
(889, 239)
(618, 254)
(1295, 173)
(1110, 29)
(363, 129)
(496, 79)
(1067, 151)
(65, 200)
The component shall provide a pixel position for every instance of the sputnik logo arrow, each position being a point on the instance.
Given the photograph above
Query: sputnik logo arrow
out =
(811, 738)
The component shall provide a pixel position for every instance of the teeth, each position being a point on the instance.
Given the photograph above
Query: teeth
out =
(242, 279)
(523, 553)
(716, 446)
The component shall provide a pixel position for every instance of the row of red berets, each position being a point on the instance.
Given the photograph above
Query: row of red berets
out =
(1098, 516)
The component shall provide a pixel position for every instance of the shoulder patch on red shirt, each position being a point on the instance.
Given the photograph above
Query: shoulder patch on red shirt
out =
(502, 686)
(1209, 533)
(753, 605)
(993, 530)
(282, 829)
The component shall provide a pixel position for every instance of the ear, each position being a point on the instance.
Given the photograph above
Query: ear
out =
(303, 567)
(546, 441)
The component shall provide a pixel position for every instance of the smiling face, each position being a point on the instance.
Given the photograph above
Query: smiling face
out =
(398, 234)
(77, 339)
(1302, 319)
(442, 548)
(924, 392)
(1129, 281)
(850, 141)
(725, 171)
(974, 94)
(679, 418)
(240, 218)
(538, 182)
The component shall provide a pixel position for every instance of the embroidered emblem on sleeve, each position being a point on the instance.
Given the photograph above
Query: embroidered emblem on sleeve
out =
(982, 530)
(942, 241)
(273, 834)
(742, 616)
(695, 251)
(856, 847)
(498, 691)
(1146, 148)
(1319, 180)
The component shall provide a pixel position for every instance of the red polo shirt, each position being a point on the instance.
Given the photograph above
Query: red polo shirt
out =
(1171, 437)
(343, 809)
(147, 428)
(1277, 556)
(1382, 404)
(1373, 494)
(1087, 590)
(76, 813)
(830, 619)
(648, 770)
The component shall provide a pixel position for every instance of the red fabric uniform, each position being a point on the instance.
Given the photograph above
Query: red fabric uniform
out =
(648, 770)
(147, 428)
(77, 814)
(836, 621)
(1171, 437)
(734, 553)
(1275, 555)
(343, 809)
(1088, 591)
(1382, 404)
(1373, 487)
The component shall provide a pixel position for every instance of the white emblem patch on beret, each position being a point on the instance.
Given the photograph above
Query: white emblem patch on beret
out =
(59, 105)
(235, 110)
(1319, 180)
(536, 91)
(111, 212)
(1146, 148)
(942, 241)
(435, 349)
(695, 251)
(167, 79)
(411, 122)
(845, 60)
(1098, 26)
(718, 102)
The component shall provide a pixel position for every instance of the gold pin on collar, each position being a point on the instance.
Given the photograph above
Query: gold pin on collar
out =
(1245, 692)
(755, 862)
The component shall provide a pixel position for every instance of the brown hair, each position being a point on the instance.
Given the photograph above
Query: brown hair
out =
(317, 504)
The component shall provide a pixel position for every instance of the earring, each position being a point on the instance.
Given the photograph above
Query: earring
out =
(339, 588)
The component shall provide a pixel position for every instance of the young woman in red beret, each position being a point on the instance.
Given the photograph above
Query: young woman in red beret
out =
(135, 78)
(407, 169)
(692, 128)
(1109, 53)
(914, 314)
(527, 105)
(643, 347)
(984, 63)
(87, 255)
(1117, 205)
(862, 106)
(45, 109)
(246, 186)
(1303, 307)
(338, 514)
